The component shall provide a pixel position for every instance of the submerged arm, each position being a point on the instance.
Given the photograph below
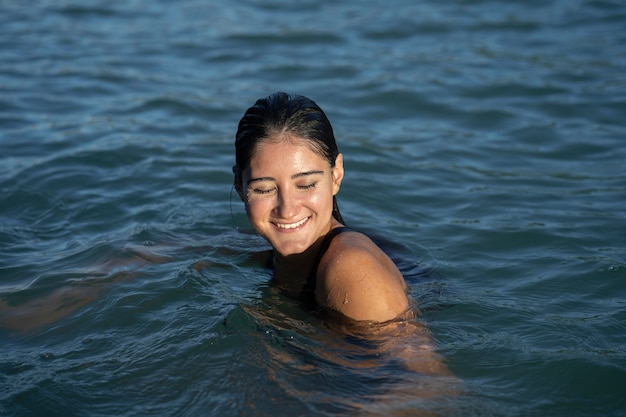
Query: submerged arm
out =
(74, 294)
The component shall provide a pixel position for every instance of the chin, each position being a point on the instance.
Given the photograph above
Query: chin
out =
(288, 252)
(290, 249)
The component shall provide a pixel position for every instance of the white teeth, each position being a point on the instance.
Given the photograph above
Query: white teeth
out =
(292, 225)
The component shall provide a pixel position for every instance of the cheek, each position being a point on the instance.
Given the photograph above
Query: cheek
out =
(256, 208)
(322, 200)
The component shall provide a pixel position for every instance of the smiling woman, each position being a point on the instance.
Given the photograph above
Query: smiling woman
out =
(288, 172)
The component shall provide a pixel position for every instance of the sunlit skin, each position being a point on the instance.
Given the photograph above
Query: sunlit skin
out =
(288, 190)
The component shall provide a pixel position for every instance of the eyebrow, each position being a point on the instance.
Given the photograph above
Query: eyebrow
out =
(293, 177)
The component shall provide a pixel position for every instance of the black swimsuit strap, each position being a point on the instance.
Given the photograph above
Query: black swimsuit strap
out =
(325, 245)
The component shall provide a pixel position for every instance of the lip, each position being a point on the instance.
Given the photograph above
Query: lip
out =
(289, 227)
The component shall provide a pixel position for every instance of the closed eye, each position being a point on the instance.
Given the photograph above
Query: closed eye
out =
(307, 186)
(262, 191)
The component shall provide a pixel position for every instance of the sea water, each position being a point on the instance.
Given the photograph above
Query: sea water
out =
(484, 145)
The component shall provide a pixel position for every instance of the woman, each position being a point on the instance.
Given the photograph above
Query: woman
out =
(288, 172)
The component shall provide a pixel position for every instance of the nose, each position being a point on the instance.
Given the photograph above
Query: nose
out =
(286, 204)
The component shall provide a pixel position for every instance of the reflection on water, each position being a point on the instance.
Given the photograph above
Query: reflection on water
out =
(373, 369)
(368, 369)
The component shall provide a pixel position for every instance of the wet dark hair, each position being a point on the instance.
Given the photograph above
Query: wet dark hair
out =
(284, 113)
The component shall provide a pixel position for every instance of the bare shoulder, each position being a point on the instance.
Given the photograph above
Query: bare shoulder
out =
(357, 279)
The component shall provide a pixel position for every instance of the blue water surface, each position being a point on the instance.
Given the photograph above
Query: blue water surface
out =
(484, 146)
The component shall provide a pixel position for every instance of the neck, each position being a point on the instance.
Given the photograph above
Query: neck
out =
(292, 272)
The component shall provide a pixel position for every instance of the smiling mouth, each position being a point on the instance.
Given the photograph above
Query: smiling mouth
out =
(295, 225)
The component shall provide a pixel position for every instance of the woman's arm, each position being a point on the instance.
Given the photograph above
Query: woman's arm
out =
(74, 294)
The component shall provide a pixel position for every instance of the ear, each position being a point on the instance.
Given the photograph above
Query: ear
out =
(337, 173)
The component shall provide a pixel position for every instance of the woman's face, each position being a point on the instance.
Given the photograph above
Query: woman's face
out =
(288, 190)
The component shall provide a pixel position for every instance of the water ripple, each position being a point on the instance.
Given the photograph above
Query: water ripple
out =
(483, 147)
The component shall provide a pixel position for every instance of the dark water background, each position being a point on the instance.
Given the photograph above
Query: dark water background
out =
(485, 139)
